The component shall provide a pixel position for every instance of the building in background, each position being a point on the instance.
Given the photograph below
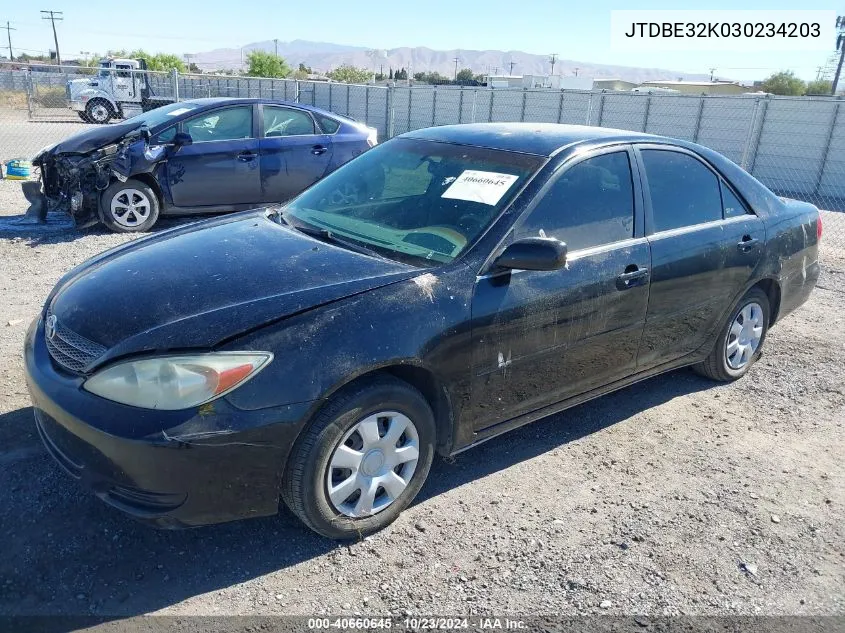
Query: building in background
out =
(613, 84)
(697, 87)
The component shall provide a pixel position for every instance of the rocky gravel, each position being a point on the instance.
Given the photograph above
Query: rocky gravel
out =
(673, 496)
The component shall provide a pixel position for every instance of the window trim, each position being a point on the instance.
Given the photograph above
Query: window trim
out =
(638, 148)
(286, 107)
(252, 137)
(573, 161)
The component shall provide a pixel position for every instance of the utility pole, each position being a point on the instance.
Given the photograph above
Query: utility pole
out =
(456, 60)
(712, 70)
(840, 46)
(188, 60)
(512, 64)
(575, 70)
(276, 43)
(9, 30)
(53, 16)
(553, 61)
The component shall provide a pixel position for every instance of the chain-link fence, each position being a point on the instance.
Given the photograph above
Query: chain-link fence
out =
(795, 145)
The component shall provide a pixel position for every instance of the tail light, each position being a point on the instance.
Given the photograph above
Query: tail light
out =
(372, 137)
(819, 228)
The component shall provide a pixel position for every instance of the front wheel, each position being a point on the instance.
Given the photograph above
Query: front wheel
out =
(362, 460)
(740, 339)
(98, 111)
(129, 207)
(84, 117)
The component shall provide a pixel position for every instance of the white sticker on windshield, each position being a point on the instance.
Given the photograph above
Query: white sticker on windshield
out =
(486, 187)
(179, 111)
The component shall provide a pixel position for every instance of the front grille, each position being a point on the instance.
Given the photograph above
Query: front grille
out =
(69, 349)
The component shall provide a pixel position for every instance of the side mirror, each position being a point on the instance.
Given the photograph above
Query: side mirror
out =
(182, 139)
(533, 253)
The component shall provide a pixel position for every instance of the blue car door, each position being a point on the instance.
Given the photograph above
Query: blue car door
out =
(220, 168)
(294, 153)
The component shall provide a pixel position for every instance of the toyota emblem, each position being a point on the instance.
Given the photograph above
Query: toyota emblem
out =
(50, 326)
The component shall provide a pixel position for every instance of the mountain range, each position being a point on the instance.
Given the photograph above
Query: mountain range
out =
(323, 56)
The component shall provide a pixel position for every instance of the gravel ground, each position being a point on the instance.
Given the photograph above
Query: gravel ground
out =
(675, 495)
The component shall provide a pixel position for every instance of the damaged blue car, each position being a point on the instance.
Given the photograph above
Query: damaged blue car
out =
(193, 157)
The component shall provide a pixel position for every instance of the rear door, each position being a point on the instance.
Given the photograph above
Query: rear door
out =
(294, 152)
(701, 259)
(544, 336)
(220, 168)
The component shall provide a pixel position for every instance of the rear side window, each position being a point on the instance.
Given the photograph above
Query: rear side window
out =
(329, 126)
(732, 205)
(286, 122)
(683, 191)
(590, 204)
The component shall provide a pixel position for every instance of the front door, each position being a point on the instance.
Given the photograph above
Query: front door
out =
(294, 155)
(123, 83)
(540, 337)
(703, 252)
(221, 167)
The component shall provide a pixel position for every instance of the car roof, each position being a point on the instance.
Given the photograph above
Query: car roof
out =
(208, 102)
(542, 139)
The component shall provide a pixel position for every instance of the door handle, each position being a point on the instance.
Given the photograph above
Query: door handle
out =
(245, 157)
(319, 149)
(633, 276)
(747, 243)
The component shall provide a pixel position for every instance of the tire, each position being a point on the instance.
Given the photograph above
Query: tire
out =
(724, 365)
(311, 465)
(84, 117)
(139, 200)
(98, 111)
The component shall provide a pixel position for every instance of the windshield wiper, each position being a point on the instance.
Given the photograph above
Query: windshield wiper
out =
(326, 235)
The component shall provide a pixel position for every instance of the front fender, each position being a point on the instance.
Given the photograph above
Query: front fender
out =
(93, 93)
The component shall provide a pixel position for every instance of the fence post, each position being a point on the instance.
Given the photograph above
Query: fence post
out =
(389, 114)
(296, 90)
(461, 105)
(698, 119)
(601, 108)
(474, 103)
(366, 104)
(524, 99)
(410, 94)
(29, 89)
(560, 106)
(828, 138)
(589, 111)
(490, 114)
(175, 85)
(645, 116)
(752, 140)
(331, 106)
(434, 105)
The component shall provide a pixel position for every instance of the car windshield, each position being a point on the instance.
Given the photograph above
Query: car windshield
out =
(414, 200)
(164, 114)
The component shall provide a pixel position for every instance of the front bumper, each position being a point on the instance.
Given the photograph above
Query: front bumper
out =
(168, 468)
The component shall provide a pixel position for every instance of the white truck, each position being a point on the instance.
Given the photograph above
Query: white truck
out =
(120, 89)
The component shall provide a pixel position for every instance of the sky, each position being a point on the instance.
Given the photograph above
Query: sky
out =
(569, 29)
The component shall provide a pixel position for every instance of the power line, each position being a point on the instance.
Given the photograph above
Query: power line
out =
(53, 16)
(9, 30)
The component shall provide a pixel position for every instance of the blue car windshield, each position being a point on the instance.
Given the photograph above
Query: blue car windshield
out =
(414, 200)
(164, 114)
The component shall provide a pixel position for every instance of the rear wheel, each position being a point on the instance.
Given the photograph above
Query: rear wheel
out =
(740, 340)
(98, 111)
(129, 207)
(362, 460)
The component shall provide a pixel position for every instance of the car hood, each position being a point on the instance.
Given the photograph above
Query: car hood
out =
(89, 139)
(200, 285)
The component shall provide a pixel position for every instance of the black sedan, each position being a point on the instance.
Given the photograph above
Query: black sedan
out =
(479, 278)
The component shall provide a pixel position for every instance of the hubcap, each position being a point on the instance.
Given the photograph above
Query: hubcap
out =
(373, 464)
(744, 336)
(99, 113)
(130, 207)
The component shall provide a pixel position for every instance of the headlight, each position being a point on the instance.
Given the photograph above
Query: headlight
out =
(176, 382)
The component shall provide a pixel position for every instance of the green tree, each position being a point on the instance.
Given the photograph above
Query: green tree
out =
(305, 69)
(465, 76)
(263, 64)
(819, 87)
(390, 76)
(350, 74)
(784, 83)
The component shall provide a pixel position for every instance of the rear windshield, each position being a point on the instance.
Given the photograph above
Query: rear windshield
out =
(414, 200)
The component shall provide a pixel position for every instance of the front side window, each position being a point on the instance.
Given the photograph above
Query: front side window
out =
(683, 191)
(422, 202)
(286, 122)
(226, 124)
(590, 204)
